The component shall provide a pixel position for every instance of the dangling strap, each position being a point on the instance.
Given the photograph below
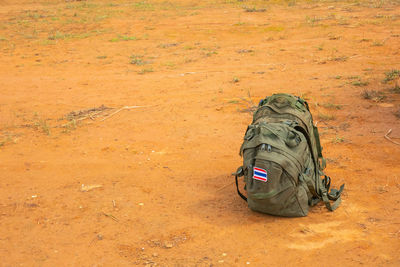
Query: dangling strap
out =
(334, 194)
(237, 174)
(322, 186)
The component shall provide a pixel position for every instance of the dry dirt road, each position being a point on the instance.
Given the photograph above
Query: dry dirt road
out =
(152, 185)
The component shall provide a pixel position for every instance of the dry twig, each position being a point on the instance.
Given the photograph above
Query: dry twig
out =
(111, 216)
(389, 139)
(118, 110)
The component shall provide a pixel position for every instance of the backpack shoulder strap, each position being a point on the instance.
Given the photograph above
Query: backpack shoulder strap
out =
(322, 186)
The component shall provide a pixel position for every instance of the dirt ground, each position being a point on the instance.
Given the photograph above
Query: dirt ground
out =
(83, 183)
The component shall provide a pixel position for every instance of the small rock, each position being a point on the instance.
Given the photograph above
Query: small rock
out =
(88, 187)
(168, 244)
(155, 254)
(100, 237)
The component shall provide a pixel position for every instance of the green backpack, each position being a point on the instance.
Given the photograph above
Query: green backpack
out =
(282, 160)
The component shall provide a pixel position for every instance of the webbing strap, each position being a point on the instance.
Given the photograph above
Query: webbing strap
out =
(317, 141)
(328, 205)
(322, 186)
(239, 173)
(333, 194)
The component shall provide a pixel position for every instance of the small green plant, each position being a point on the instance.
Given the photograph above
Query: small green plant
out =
(274, 29)
(377, 43)
(8, 138)
(338, 58)
(144, 71)
(331, 106)
(254, 9)
(123, 38)
(359, 83)
(396, 89)
(338, 140)
(235, 80)
(47, 42)
(312, 20)
(169, 64)
(338, 77)
(391, 75)
(373, 95)
(326, 117)
(101, 57)
(137, 60)
(69, 126)
(58, 35)
(42, 125)
(168, 45)
(210, 53)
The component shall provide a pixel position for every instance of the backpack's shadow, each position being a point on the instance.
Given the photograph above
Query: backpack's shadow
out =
(222, 206)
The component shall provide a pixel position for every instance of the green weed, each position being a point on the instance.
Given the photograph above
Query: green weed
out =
(144, 71)
(331, 106)
(359, 83)
(143, 5)
(123, 38)
(326, 117)
(373, 95)
(391, 75)
(377, 43)
(274, 29)
(58, 35)
(41, 125)
(254, 9)
(338, 58)
(338, 140)
(137, 60)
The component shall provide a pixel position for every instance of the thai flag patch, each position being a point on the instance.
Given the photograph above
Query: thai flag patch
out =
(260, 174)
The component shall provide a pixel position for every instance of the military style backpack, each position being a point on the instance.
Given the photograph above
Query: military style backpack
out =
(282, 160)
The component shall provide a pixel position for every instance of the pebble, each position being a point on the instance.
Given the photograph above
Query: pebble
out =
(168, 244)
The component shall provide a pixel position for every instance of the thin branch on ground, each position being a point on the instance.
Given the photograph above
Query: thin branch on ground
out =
(118, 110)
(389, 139)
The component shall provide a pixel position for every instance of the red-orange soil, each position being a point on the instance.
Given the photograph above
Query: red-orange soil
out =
(163, 192)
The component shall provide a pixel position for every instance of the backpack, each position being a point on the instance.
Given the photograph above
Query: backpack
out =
(282, 160)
